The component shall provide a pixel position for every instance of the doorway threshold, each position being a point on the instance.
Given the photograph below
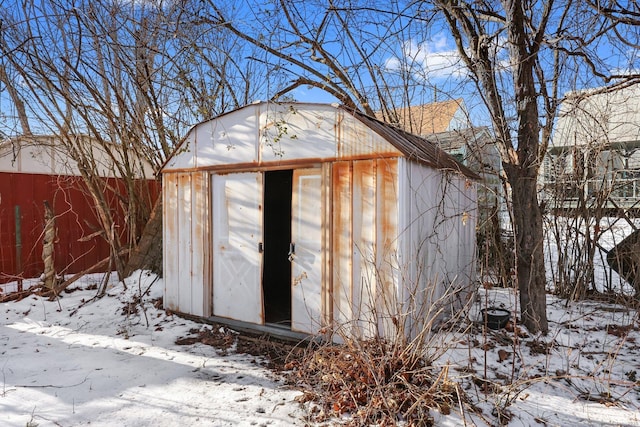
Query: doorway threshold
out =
(275, 330)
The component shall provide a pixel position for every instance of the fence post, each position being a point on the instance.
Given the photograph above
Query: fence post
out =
(18, 222)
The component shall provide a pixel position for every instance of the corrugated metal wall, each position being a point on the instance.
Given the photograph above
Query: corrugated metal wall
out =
(186, 240)
(391, 235)
(75, 220)
(364, 253)
(400, 239)
(438, 236)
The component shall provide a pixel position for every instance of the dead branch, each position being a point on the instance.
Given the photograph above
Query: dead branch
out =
(62, 286)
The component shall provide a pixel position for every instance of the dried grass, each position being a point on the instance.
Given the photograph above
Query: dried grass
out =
(374, 382)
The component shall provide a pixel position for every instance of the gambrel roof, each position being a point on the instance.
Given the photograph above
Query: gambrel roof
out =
(267, 133)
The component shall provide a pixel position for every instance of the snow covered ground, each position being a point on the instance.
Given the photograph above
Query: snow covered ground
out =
(73, 362)
(61, 365)
(585, 372)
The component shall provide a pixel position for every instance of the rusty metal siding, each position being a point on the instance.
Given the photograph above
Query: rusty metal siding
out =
(268, 134)
(171, 266)
(355, 140)
(387, 262)
(185, 240)
(385, 212)
(327, 258)
(363, 224)
(190, 243)
(199, 277)
(342, 246)
(414, 147)
(365, 218)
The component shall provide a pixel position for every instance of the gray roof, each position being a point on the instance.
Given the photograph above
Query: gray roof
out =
(422, 150)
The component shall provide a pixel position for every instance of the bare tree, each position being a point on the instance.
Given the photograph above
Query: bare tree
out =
(520, 56)
(339, 48)
(550, 45)
(119, 83)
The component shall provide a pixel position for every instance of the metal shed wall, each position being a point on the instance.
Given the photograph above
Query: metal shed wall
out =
(187, 267)
(268, 134)
(437, 241)
(393, 229)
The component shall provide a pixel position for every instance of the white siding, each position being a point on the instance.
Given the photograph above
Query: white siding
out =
(289, 132)
(199, 274)
(307, 263)
(185, 232)
(365, 251)
(47, 155)
(270, 133)
(608, 117)
(170, 232)
(438, 241)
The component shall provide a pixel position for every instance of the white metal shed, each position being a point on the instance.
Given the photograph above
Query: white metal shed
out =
(317, 219)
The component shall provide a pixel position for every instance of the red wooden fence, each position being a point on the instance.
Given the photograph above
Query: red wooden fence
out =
(22, 199)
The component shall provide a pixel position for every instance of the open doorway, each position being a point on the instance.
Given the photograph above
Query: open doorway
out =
(276, 270)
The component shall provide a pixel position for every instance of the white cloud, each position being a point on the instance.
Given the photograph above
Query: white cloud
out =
(439, 58)
(431, 59)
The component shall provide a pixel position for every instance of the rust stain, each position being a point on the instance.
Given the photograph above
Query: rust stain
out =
(388, 224)
(388, 200)
(228, 168)
(198, 184)
(341, 252)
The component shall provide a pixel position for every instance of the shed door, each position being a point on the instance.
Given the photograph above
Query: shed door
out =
(237, 260)
(306, 236)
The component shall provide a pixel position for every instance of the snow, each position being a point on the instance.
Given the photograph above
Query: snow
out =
(76, 361)
(589, 376)
(100, 367)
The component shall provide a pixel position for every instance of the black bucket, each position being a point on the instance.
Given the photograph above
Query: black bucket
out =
(495, 318)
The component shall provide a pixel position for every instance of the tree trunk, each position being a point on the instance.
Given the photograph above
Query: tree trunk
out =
(47, 246)
(148, 252)
(530, 271)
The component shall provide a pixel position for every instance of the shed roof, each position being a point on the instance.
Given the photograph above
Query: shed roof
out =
(415, 147)
(408, 145)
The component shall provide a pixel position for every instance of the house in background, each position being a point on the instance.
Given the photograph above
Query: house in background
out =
(447, 123)
(594, 158)
(36, 169)
(313, 218)
(475, 148)
(436, 117)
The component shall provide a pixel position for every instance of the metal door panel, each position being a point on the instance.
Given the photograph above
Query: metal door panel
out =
(306, 292)
(237, 231)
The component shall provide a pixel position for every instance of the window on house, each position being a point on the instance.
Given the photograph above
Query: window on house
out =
(459, 157)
